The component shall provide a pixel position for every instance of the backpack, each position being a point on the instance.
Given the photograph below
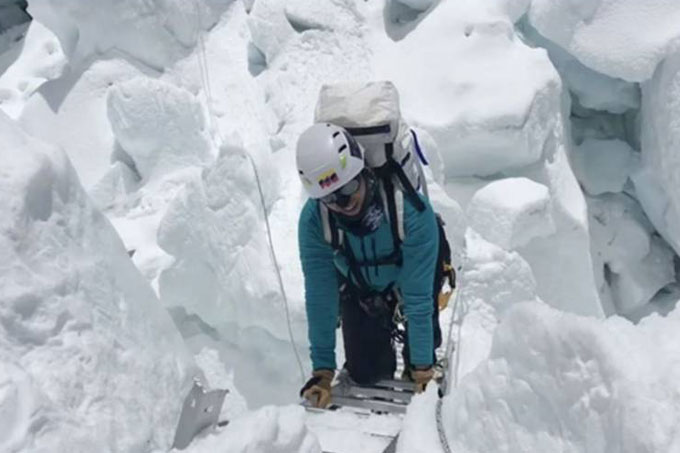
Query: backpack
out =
(370, 113)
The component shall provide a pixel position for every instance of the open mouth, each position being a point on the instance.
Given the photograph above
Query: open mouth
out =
(352, 206)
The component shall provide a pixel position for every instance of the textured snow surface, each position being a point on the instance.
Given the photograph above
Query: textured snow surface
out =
(91, 361)
(660, 157)
(631, 263)
(492, 281)
(159, 104)
(79, 97)
(160, 126)
(602, 34)
(593, 89)
(223, 272)
(487, 111)
(559, 382)
(41, 59)
(511, 212)
(155, 32)
(602, 166)
(267, 430)
(494, 105)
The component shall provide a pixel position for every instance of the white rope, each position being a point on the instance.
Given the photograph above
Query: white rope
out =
(205, 81)
(441, 432)
(278, 271)
(440, 427)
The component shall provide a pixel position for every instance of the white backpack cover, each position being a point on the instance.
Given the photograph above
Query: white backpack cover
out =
(370, 112)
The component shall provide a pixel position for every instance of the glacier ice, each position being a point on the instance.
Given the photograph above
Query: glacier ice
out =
(85, 338)
(79, 97)
(660, 141)
(156, 33)
(603, 166)
(598, 33)
(160, 126)
(41, 59)
(559, 382)
(511, 212)
(480, 125)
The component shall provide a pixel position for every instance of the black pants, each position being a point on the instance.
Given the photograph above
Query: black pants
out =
(369, 346)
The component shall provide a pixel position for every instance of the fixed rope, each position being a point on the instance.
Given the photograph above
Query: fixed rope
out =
(452, 367)
(205, 82)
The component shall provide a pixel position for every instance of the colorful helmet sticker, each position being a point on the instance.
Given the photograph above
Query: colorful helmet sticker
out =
(328, 178)
(343, 161)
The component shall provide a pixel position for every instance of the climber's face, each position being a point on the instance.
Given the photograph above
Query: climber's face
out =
(348, 199)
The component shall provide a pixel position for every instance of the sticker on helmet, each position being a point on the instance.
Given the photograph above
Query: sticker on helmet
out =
(343, 161)
(328, 178)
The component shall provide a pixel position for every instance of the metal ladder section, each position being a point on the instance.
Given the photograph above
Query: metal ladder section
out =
(385, 396)
(200, 411)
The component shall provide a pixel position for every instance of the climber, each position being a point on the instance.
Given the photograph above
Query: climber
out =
(361, 269)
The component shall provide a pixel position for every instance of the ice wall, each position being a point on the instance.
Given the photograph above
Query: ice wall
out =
(14, 21)
(267, 430)
(83, 339)
(660, 157)
(621, 149)
(160, 126)
(560, 382)
(156, 33)
(601, 34)
(493, 117)
(39, 59)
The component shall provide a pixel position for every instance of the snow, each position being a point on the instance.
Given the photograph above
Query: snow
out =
(511, 212)
(79, 97)
(631, 263)
(560, 382)
(494, 107)
(602, 166)
(156, 33)
(418, 5)
(493, 280)
(352, 430)
(598, 34)
(222, 270)
(635, 286)
(593, 89)
(160, 107)
(160, 126)
(506, 95)
(85, 342)
(41, 59)
(267, 430)
(659, 181)
(209, 229)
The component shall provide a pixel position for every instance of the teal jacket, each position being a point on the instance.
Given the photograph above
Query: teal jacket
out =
(415, 278)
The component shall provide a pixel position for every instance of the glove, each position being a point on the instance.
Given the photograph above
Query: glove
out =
(421, 378)
(318, 388)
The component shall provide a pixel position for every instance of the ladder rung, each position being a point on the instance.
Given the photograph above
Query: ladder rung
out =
(375, 405)
(396, 384)
(372, 392)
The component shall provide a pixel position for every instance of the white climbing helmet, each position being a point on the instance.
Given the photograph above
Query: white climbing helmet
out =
(328, 157)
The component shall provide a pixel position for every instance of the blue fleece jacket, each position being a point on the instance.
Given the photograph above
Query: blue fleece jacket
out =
(414, 278)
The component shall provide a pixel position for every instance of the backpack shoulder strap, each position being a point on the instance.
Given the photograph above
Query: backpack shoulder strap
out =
(331, 233)
(395, 167)
(393, 199)
(399, 208)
